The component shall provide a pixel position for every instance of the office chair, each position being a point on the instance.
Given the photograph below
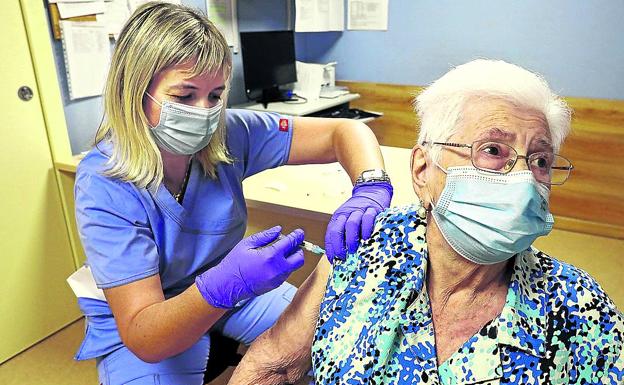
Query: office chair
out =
(223, 354)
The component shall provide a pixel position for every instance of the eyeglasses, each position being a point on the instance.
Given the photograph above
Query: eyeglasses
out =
(500, 158)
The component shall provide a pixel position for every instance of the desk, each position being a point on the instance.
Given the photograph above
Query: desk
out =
(311, 107)
(300, 109)
(306, 196)
(315, 191)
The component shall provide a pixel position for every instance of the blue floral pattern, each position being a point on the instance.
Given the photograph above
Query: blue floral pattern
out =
(375, 325)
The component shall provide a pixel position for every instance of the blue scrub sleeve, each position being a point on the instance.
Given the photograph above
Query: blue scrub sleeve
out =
(114, 230)
(260, 140)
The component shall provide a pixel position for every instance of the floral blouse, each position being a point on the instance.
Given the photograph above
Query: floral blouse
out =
(375, 325)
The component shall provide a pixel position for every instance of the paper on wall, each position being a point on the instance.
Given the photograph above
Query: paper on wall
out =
(71, 1)
(115, 15)
(73, 9)
(86, 50)
(367, 15)
(134, 4)
(319, 15)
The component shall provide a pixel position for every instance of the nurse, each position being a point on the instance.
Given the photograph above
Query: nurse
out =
(160, 206)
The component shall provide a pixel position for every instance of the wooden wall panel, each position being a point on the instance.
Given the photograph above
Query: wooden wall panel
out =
(397, 127)
(592, 201)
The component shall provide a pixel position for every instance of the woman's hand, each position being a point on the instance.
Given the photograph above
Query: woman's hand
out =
(252, 268)
(155, 329)
(355, 219)
(354, 145)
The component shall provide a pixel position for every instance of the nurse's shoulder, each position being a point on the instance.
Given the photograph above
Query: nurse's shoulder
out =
(95, 161)
(244, 126)
(257, 140)
(95, 190)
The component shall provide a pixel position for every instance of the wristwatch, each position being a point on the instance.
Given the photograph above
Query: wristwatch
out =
(373, 175)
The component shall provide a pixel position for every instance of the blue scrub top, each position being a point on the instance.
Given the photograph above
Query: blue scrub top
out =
(130, 233)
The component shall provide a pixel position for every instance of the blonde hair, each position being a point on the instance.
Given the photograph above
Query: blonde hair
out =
(440, 106)
(156, 37)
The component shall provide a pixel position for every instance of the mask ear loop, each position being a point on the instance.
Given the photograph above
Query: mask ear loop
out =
(432, 203)
(151, 97)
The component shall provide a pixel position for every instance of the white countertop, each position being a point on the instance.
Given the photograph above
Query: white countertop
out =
(316, 191)
(313, 190)
(300, 109)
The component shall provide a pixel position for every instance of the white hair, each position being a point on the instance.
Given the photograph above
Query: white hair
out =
(440, 105)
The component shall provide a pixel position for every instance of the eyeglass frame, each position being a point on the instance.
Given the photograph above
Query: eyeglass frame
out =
(525, 157)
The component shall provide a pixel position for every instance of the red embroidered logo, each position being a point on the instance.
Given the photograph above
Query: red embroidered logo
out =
(283, 125)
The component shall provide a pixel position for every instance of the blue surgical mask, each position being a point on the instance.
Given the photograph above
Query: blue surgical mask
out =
(185, 130)
(488, 218)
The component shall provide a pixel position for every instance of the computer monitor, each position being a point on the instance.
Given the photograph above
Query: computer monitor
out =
(268, 62)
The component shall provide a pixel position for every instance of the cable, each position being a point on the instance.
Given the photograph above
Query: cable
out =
(299, 100)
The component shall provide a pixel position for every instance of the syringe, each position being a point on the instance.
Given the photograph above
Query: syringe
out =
(311, 247)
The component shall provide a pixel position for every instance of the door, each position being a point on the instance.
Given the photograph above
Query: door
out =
(35, 254)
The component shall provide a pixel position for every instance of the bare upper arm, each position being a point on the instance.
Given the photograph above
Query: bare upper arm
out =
(126, 301)
(282, 353)
(318, 278)
(299, 319)
(312, 140)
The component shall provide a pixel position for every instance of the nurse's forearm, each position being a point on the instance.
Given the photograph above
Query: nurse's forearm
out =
(154, 328)
(166, 328)
(282, 354)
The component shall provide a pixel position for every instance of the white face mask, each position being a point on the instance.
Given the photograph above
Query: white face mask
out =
(489, 218)
(185, 130)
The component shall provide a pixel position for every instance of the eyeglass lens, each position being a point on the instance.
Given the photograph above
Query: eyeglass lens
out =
(499, 157)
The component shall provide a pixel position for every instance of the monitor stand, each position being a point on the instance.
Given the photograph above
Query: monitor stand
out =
(272, 95)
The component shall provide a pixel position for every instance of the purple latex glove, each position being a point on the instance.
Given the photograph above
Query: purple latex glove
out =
(356, 218)
(252, 268)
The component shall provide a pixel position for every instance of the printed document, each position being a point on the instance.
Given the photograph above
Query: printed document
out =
(86, 51)
(319, 15)
(72, 9)
(115, 16)
(134, 4)
(309, 80)
(367, 15)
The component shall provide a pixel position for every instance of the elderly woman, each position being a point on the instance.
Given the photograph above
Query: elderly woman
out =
(449, 290)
